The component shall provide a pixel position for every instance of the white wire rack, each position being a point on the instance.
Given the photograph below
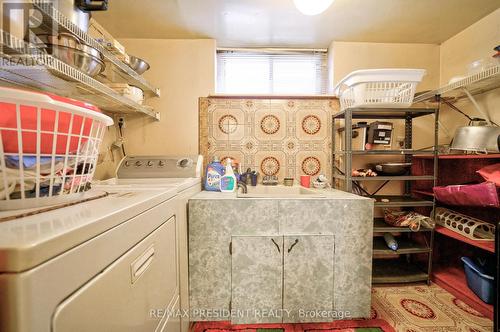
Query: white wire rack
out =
(481, 82)
(48, 149)
(52, 15)
(22, 65)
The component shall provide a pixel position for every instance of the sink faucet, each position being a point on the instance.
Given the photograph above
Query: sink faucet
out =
(243, 186)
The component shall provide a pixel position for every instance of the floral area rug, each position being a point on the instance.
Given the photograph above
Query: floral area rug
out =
(414, 308)
(422, 308)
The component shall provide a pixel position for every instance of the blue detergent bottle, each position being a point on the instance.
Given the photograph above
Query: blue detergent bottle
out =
(215, 171)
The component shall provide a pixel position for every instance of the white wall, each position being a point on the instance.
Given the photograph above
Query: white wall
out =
(350, 56)
(475, 42)
(184, 70)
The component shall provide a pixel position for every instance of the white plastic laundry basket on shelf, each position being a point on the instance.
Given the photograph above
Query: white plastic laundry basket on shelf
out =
(376, 88)
(49, 147)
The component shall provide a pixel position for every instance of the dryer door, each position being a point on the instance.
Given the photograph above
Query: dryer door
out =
(131, 294)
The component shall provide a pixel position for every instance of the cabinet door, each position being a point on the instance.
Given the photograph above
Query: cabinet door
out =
(256, 279)
(308, 278)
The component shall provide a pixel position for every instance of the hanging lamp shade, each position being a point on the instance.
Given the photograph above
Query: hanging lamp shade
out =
(312, 7)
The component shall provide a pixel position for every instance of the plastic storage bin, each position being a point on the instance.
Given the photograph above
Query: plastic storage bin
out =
(48, 147)
(479, 279)
(373, 88)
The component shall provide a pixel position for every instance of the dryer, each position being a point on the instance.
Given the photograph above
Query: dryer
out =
(100, 265)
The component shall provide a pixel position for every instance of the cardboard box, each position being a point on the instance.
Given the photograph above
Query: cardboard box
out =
(100, 34)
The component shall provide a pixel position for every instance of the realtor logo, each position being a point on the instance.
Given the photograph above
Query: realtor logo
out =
(22, 21)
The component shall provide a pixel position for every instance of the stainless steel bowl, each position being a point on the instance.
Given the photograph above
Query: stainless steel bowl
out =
(61, 39)
(138, 65)
(83, 59)
(70, 50)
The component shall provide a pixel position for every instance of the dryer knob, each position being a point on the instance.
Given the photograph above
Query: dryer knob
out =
(127, 163)
(184, 162)
(138, 163)
(161, 163)
(150, 163)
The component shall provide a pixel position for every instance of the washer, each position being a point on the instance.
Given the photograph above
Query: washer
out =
(182, 172)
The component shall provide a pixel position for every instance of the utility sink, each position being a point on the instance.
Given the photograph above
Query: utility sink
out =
(279, 191)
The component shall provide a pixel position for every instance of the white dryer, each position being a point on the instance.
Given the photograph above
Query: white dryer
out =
(94, 266)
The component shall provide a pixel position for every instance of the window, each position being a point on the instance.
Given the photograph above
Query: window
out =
(272, 72)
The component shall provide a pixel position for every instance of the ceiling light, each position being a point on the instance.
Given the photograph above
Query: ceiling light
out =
(312, 7)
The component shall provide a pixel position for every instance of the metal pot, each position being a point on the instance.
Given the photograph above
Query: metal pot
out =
(19, 17)
(78, 11)
(477, 139)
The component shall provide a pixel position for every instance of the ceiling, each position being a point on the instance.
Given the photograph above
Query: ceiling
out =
(277, 23)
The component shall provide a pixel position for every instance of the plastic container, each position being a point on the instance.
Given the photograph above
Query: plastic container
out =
(480, 65)
(390, 241)
(379, 88)
(464, 225)
(479, 280)
(320, 185)
(228, 182)
(48, 148)
(214, 172)
(305, 181)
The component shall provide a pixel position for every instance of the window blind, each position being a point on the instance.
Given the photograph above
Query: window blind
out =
(272, 72)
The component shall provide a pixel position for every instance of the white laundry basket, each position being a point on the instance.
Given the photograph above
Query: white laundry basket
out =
(49, 147)
(373, 88)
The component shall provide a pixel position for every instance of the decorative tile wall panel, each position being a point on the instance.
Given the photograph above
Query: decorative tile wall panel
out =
(283, 137)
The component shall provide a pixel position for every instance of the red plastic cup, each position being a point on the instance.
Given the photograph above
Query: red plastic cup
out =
(305, 181)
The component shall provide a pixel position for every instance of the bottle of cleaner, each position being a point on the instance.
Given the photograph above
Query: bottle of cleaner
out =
(215, 171)
(391, 241)
(228, 180)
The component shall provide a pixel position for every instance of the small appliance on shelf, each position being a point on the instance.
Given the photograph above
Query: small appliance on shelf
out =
(380, 133)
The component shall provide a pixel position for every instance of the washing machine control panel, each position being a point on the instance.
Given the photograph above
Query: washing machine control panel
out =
(160, 167)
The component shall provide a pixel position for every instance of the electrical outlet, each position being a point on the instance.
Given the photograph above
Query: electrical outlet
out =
(121, 121)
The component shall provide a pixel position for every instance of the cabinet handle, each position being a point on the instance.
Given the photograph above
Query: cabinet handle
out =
(293, 245)
(277, 245)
